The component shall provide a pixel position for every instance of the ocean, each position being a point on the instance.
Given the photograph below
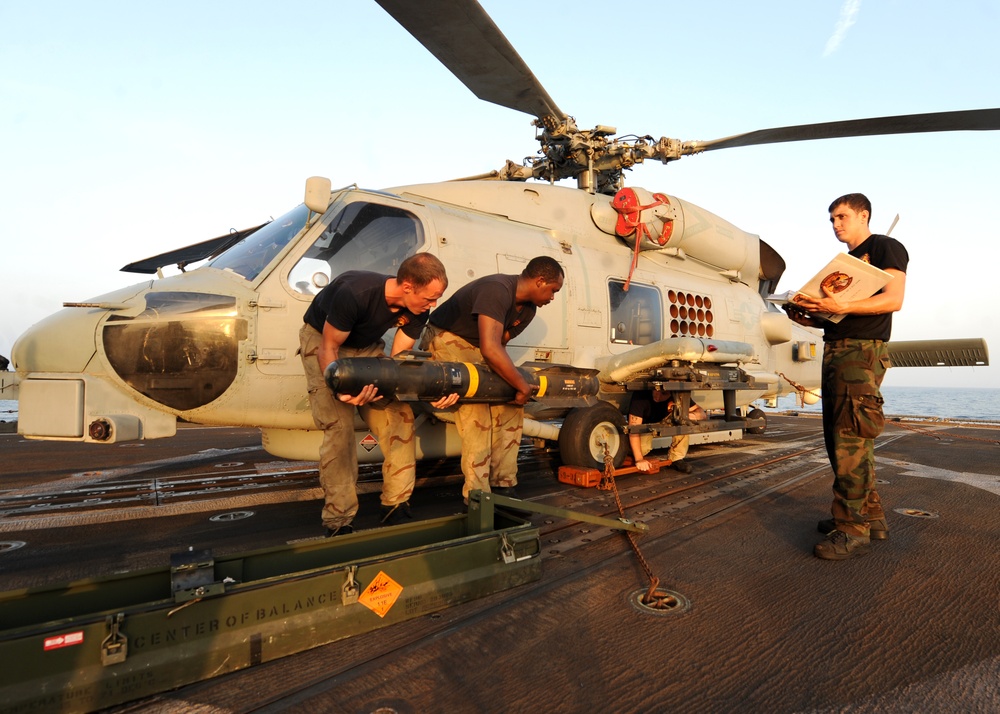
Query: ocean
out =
(967, 404)
(964, 404)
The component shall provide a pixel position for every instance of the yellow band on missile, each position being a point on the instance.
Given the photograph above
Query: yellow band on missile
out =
(473, 379)
(542, 384)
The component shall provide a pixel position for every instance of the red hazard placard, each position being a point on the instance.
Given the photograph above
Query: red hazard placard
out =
(54, 643)
(369, 442)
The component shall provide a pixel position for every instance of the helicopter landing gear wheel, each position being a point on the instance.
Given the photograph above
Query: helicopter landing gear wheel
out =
(757, 414)
(586, 430)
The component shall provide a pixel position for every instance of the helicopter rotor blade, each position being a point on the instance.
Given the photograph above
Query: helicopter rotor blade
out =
(467, 41)
(968, 120)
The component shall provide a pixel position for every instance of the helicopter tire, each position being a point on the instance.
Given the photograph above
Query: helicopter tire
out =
(584, 433)
(757, 414)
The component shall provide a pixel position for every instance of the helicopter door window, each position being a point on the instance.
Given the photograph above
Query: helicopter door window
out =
(363, 236)
(636, 317)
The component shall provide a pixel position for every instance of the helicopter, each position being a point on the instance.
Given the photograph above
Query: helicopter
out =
(652, 281)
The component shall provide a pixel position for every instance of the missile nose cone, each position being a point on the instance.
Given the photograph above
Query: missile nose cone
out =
(349, 375)
(332, 376)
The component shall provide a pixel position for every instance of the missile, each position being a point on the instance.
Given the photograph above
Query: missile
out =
(428, 380)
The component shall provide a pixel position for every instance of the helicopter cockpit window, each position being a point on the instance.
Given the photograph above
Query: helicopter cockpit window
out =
(364, 236)
(636, 317)
(252, 254)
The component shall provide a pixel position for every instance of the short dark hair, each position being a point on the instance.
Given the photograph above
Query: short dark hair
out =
(544, 267)
(421, 269)
(857, 202)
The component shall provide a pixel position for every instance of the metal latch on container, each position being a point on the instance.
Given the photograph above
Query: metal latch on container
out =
(114, 647)
(507, 550)
(192, 575)
(350, 592)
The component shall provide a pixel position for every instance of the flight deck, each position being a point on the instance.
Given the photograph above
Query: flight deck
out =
(752, 620)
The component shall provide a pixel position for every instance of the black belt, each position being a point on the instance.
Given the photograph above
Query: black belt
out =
(851, 340)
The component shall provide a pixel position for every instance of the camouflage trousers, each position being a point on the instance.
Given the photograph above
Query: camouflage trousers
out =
(390, 421)
(491, 433)
(852, 418)
(678, 446)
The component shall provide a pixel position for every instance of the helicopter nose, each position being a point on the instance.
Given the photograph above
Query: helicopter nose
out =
(67, 390)
(50, 358)
(63, 342)
(66, 341)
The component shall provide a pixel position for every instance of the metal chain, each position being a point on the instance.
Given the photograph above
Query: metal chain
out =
(609, 478)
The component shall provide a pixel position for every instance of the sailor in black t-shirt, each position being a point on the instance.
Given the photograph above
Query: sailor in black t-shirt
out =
(475, 325)
(348, 319)
(650, 407)
(855, 359)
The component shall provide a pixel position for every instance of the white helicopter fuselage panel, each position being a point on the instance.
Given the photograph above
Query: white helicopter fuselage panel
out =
(218, 345)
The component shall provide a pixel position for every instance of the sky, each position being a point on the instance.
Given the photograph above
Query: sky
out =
(128, 129)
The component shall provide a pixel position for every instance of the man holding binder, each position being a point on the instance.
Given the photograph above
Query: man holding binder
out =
(855, 358)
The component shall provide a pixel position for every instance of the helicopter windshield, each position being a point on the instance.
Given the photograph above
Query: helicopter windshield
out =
(252, 254)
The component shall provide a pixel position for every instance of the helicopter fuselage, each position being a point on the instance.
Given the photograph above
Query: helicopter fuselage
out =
(217, 345)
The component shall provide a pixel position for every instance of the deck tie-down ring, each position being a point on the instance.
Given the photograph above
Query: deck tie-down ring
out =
(661, 603)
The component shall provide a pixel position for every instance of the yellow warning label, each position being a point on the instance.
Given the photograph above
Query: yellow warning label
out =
(381, 594)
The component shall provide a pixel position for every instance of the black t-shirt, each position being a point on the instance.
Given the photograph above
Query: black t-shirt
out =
(491, 295)
(649, 410)
(355, 303)
(882, 252)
